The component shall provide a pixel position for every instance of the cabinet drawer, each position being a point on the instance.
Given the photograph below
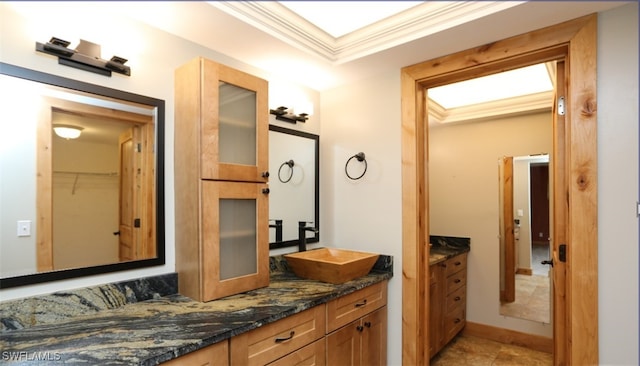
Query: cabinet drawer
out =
(456, 299)
(311, 355)
(455, 281)
(214, 355)
(455, 264)
(266, 344)
(453, 323)
(348, 308)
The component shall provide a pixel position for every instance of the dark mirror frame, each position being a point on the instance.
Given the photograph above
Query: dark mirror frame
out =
(44, 78)
(316, 138)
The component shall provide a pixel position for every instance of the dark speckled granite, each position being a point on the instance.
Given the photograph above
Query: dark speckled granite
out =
(64, 305)
(445, 247)
(162, 328)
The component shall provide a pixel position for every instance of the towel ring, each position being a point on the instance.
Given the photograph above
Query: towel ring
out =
(290, 163)
(360, 157)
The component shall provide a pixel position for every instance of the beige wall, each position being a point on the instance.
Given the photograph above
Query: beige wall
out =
(463, 200)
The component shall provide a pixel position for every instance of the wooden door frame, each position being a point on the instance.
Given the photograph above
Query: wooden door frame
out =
(507, 226)
(575, 43)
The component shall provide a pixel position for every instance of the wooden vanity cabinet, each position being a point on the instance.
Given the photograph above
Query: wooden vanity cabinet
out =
(221, 158)
(448, 301)
(357, 327)
(349, 330)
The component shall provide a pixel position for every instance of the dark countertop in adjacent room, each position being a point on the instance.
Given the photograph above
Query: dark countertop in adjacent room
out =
(154, 330)
(445, 247)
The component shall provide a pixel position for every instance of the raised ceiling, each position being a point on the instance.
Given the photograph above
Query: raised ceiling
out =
(273, 38)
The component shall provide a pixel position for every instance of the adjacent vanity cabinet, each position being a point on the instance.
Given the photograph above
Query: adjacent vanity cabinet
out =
(447, 302)
(221, 160)
(357, 328)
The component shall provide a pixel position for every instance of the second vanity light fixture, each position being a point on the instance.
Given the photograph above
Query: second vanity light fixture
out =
(283, 114)
(87, 57)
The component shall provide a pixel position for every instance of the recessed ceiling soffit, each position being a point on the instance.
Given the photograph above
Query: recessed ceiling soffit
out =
(417, 22)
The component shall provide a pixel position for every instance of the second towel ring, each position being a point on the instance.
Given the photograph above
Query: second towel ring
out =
(360, 157)
(290, 163)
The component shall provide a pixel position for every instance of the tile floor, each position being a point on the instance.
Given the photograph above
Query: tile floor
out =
(473, 351)
(532, 299)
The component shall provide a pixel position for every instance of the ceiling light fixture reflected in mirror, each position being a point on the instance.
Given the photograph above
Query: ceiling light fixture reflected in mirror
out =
(67, 131)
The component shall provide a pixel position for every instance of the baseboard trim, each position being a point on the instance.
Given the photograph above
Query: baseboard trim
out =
(524, 271)
(502, 335)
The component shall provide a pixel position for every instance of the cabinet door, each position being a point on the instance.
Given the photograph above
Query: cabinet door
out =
(235, 252)
(311, 355)
(374, 338)
(343, 345)
(235, 125)
(436, 337)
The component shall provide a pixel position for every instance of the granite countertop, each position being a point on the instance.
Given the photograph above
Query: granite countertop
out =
(158, 329)
(445, 247)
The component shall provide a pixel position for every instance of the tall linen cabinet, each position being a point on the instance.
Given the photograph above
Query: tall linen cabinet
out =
(221, 174)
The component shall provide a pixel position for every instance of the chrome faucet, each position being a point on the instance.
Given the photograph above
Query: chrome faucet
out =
(302, 235)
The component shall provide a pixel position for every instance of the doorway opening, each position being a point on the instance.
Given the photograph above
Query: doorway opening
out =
(575, 183)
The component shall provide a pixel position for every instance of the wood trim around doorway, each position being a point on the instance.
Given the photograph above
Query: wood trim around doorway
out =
(575, 43)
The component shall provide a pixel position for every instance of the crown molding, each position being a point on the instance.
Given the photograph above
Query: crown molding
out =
(527, 104)
(414, 23)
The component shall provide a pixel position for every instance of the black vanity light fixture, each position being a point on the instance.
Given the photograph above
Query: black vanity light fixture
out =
(282, 115)
(87, 57)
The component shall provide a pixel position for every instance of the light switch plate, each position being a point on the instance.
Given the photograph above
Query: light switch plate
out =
(24, 228)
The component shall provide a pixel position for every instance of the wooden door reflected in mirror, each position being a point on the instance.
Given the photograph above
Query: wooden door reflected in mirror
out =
(525, 282)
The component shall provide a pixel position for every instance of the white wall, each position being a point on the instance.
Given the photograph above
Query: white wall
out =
(618, 185)
(365, 214)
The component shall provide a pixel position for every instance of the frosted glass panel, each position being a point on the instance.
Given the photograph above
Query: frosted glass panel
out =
(237, 135)
(238, 238)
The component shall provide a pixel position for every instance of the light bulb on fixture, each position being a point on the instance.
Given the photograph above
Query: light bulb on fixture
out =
(67, 131)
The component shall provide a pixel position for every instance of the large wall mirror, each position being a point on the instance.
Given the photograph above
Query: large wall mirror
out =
(77, 205)
(525, 234)
(294, 186)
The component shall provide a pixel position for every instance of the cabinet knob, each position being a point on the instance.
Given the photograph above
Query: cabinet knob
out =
(265, 190)
(458, 320)
(457, 280)
(265, 174)
(359, 328)
(457, 298)
(367, 324)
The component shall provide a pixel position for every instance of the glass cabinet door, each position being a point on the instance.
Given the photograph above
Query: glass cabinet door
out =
(234, 125)
(235, 237)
